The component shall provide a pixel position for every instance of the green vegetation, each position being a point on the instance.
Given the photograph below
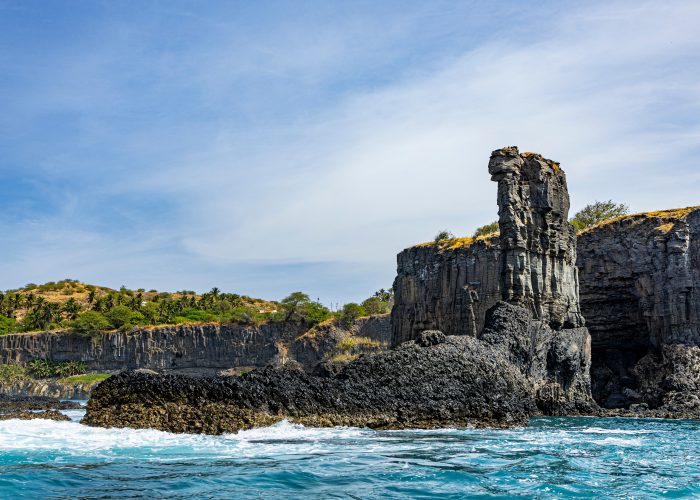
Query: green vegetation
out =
(91, 310)
(299, 307)
(443, 235)
(13, 373)
(8, 325)
(486, 230)
(90, 323)
(45, 368)
(598, 212)
(87, 378)
(380, 303)
(350, 313)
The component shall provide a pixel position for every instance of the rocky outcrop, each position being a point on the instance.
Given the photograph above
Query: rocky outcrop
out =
(48, 388)
(450, 285)
(537, 242)
(447, 287)
(640, 294)
(519, 368)
(27, 408)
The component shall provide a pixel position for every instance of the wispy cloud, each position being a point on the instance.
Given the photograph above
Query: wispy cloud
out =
(301, 156)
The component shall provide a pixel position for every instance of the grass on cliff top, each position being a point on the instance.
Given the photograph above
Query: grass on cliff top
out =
(88, 378)
(462, 242)
(672, 215)
(538, 156)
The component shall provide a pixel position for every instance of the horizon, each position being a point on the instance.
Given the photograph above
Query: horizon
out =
(270, 148)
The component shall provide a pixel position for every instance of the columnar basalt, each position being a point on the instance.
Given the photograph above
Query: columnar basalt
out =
(640, 294)
(537, 243)
(450, 285)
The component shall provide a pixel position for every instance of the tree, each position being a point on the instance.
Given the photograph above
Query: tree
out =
(598, 212)
(123, 317)
(72, 308)
(7, 325)
(292, 304)
(374, 305)
(91, 322)
(443, 236)
(350, 313)
(487, 229)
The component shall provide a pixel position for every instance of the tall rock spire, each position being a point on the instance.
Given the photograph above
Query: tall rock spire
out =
(537, 243)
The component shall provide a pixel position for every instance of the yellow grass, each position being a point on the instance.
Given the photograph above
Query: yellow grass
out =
(462, 242)
(674, 214)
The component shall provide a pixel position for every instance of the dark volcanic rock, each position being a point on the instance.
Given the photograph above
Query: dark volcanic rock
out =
(449, 286)
(436, 381)
(537, 243)
(27, 408)
(640, 279)
(28, 415)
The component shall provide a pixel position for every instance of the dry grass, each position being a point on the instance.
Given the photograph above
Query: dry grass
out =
(463, 242)
(349, 342)
(344, 358)
(671, 215)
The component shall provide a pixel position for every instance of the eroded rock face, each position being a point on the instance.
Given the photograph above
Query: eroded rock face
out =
(519, 368)
(531, 263)
(446, 288)
(537, 243)
(640, 279)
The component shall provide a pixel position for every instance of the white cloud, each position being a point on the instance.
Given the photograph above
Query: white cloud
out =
(609, 91)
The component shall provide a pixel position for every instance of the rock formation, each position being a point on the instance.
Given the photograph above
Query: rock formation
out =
(537, 243)
(640, 294)
(520, 368)
(520, 363)
(450, 285)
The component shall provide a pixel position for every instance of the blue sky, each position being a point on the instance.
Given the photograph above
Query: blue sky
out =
(266, 147)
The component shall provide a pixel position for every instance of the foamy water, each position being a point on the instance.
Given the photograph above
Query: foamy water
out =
(586, 457)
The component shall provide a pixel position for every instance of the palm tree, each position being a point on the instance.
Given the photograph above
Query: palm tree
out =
(72, 308)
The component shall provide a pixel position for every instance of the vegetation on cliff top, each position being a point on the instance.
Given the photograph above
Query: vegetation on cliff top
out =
(90, 309)
(671, 215)
(598, 212)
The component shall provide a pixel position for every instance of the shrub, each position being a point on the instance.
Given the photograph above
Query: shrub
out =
(350, 313)
(41, 368)
(597, 212)
(13, 373)
(374, 305)
(69, 368)
(8, 325)
(91, 322)
(123, 317)
(487, 229)
(443, 235)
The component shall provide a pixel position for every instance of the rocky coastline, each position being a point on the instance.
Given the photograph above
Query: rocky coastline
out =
(487, 331)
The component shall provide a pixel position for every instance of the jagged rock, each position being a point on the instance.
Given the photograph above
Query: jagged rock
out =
(640, 279)
(449, 286)
(519, 368)
(537, 243)
(29, 415)
(431, 337)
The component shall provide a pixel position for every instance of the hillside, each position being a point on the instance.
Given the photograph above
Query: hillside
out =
(54, 305)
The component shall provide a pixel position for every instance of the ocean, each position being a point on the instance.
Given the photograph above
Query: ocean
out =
(552, 457)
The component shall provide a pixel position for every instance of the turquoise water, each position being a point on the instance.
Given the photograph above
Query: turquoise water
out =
(586, 457)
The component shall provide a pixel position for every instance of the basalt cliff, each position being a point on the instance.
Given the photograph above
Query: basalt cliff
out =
(640, 294)
(458, 359)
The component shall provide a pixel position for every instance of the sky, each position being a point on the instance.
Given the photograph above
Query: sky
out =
(273, 146)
